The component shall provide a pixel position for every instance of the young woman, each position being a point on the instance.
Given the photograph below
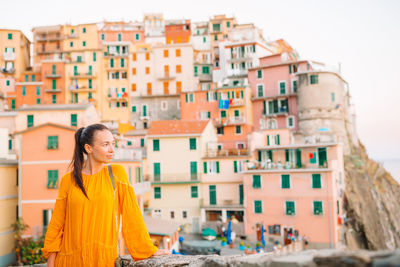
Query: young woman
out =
(84, 227)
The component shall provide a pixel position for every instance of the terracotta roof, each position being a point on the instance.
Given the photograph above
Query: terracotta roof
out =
(176, 127)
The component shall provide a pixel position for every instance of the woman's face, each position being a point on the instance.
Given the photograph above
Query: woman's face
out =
(102, 149)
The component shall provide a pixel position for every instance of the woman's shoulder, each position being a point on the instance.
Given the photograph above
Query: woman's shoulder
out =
(119, 172)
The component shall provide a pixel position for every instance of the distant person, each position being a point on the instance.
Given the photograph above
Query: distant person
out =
(84, 227)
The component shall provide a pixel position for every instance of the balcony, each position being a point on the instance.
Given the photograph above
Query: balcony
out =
(53, 75)
(77, 60)
(205, 77)
(221, 203)
(48, 38)
(230, 121)
(227, 148)
(240, 58)
(74, 88)
(237, 73)
(72, 36)
(7, 71)
(273, 97)
(56, 90)
(174, 178)
(237, 102)
(9, 56)
(49, 51)
(166, 76)
(141, 188)
(110, 54)
(87, 75)
(128, 154)
(144, 115)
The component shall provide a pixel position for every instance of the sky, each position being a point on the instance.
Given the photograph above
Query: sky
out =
(362, 36)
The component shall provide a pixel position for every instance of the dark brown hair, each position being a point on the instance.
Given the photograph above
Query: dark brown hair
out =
(83, 136)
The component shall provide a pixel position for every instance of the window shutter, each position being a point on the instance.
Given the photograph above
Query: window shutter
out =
(259, 155)
(205, 166)
(217, 166)
(207, 97)
(187, 99)
(287, 155)
(267, 140)
(235, 166)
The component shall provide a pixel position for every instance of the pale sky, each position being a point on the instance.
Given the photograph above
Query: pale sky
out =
(364, 36)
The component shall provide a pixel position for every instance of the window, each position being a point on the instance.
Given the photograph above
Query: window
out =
(84, 43)
(52, 142)
(282, 88)
(147, 70)
(133, 87)
(206, 70)
(10, 36)
(164, 105)
(184, 214)
(190, 98)
(260, 90)
(133, 71)
(215, 37)
(54, 84)
(317, 208)
(290, 208)
(177, 52)
(193, 170)
(314, 79)
(216, 27)
(256, 181)
(196, 71)
(74, 120)
(157, 171)
(38, 90)
(220, 130)
(119, 37)
(8, 82)
(71, 44)
(122, 62)
(194, 192)
(223, 113)
(23, 90)
(192, 143)
(178, 68)
(294, 86)
(213, 194)
(157, 192)
(133, 109)
(178, 86)
(290, 122)
(94, 56)
(38, 101)
(52, 178)
(238, 129)
(54, 99)
(33, 78)
(134, 57)
(141, 142)
(13, 104)
(137, 37)
(316, 180)
(103, 36)
(237, 166)
(172, 214)
(111, 63)
(156, 145)
(257, 206)
(165, 53)
(30, 120)
(147, 56)
(333, 97)
(259, 74)
(228, 24)
(211, 167)
(84, 30)
(285, 181)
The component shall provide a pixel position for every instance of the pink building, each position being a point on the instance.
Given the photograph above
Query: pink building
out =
(274, 91)
(294, 188)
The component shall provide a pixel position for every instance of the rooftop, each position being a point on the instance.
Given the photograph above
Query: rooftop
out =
(176, 127)
(55, 107)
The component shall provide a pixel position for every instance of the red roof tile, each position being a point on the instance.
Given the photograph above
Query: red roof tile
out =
(172, 127)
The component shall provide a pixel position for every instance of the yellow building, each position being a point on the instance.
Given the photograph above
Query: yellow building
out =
(178, 178)
(8, 198)
(83, 68)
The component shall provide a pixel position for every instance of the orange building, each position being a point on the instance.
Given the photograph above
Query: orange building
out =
(47, 43)
(177, 31)
(46, 152)
(53, 77)
(28, 90)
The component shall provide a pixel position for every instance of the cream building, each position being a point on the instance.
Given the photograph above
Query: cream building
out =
(174, 152)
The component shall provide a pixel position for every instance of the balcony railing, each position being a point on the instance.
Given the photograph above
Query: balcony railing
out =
(144, 116)
(55, 90)
(174, 178)
(9, 56)
(230, 120)
(89, 74)
(115, 54)
(81, 88)
(226, 152)
(166, 76)
(53, 75)
(127, 153)
(237, 73)
(282, 166)
(7, 71)
(117, 96)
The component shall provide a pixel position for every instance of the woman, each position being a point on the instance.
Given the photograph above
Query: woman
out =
(84, 227)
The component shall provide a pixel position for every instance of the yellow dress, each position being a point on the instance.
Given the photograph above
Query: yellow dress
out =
(84, 231)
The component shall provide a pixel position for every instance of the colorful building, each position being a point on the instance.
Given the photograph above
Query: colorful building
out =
(8, 198)
(294, 188)
(48, 44)
(177, 31)
(178, 178)
(274, 89)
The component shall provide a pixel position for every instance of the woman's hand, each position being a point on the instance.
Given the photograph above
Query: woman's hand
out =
(161, 252)
(51, 260)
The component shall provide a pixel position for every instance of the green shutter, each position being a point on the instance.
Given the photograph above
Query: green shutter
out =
(259, 155)
(52, 178)
(157, 171)
(290, 68)
(205, 166)
(290, 209)
(193, 170)
(316, 180)
(235, 166)
(74, 120)
(217, 166)
(45, 218)
(207, 97)
(285, 180)
(213, 194)
(287, 155)
(268, 140)
(256, 181)
(257, 206)
(156, 145)
(194, 192)
(187, 98)
(241, 194)
(133, 109)
(322, 157)
(318, 208)
(157, 192)
(192, 143)
(12, 103)
(30, 120)
(142, 142)
(94, 57)
(298, 158)
(270, 154)
(278, 141)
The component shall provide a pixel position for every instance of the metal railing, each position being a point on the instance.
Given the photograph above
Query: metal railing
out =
(174, 177)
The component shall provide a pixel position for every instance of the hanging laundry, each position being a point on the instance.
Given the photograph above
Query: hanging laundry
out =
(226, 104)
(230, 101)
(220, 104)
